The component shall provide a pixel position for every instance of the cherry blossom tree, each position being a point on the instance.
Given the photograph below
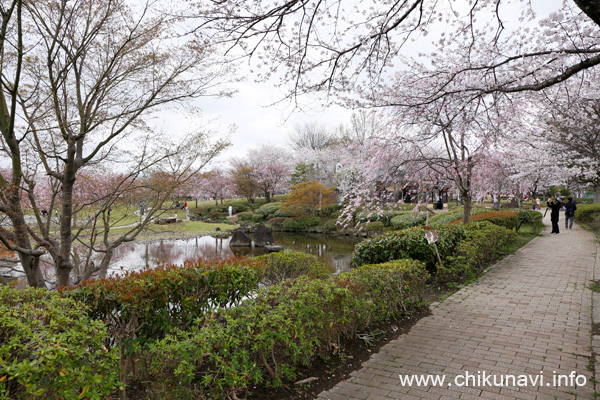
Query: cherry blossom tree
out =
(271, 168)
(216, 185)
(573, 130)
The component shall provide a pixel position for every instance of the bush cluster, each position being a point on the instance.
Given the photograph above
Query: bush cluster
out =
(455, 213)
(481, 246)
(587, 213)
(268, 210)
(332, 211)
(407, 219)
(50, 349)
(533, 218)
(385, 216)
(330, 225)
(290, 264)
(144, 306)
(300, 223)
(276, 222)
(407, 243)
(507, 219)
(281, 328)
(376, 226)
(245, 216)
(220, 215)
(457, 266)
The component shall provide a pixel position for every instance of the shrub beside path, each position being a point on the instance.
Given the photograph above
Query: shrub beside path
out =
(530, 315)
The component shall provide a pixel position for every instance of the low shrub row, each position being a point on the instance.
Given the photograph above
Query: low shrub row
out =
(408, 243)
(50, 349)
(532, 218)
(86, 341)
(285, 265)
(294, 224)
(281, 328)
(507, 219)
(587, 213)
(273, 210)
(459, 247)
(407, 220)
(388, 214)
(453, 214)
(144, 306)
(300, 223)
(147, 304)
(482, 245)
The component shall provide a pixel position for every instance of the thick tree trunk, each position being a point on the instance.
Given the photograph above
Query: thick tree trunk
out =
(31, 266)
(468, 205)
(63, 261)
(30, 262)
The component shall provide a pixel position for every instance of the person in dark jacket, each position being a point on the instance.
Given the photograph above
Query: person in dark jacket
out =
(570, 213)
(555, 205)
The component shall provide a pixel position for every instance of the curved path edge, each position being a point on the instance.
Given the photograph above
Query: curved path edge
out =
(521, 331)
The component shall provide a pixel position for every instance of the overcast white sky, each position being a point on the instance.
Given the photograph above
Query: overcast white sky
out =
(257, 122)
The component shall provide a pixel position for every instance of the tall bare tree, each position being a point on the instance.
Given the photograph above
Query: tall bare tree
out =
(87, 75)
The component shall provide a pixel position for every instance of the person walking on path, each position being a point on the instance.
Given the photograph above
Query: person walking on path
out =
(570, 213)
(555, 205)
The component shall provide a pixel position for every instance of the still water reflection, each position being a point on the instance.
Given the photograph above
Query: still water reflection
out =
(334, 250)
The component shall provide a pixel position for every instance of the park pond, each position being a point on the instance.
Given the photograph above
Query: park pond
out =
(331, 249)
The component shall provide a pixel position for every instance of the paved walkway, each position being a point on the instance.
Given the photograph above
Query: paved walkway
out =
(529, 317)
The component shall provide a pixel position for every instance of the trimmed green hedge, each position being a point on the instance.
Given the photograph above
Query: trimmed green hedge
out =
(407, 243)
(507, 219)
(407, 220)
(481, 246)
(454, 214)
(245, 216)
(283, 327)
(533, 218)
(267, 210)
(51, 349)
(291, 264)
(587, 213)
(452, 241)
(300, 223)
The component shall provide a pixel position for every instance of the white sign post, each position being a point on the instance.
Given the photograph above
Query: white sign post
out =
(432, 237)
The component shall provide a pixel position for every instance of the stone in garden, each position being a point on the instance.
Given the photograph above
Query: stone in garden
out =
(270, 248)
(263, 236)
(240, 239)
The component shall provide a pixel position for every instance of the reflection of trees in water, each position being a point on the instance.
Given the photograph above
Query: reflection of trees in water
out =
(333, 250)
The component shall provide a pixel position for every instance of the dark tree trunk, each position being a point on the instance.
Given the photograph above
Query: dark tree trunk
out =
(31, 266)
(468, 205)
(63, 261)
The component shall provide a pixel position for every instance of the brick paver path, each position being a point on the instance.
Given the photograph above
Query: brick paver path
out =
(529, 317)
